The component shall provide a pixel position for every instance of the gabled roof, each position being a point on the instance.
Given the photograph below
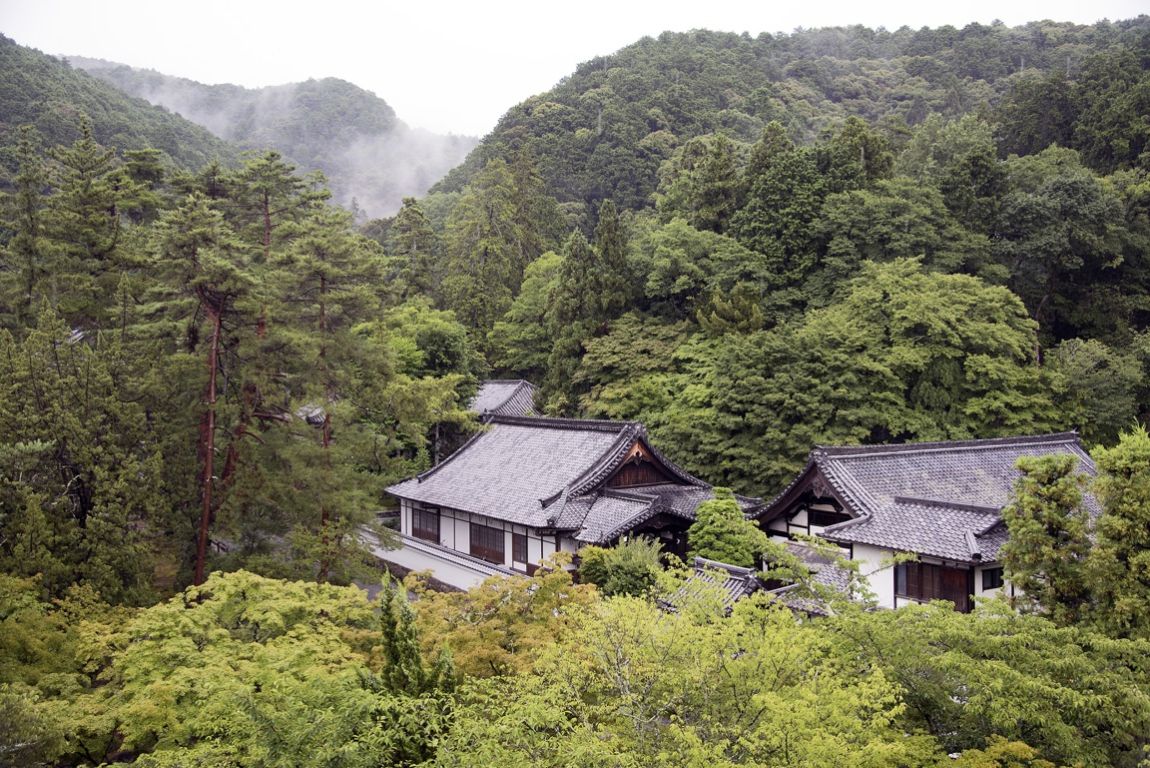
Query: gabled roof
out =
(734, 583)
(504, 397)
(941, 499)
(551, 473)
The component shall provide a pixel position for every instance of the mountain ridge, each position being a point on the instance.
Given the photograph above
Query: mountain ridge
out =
(372, 158)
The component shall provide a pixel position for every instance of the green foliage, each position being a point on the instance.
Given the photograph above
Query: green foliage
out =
(1101, 387)
(721, 532)
(1045, 556)
(631, 567)
(623, 124)
(1060, 224)
(499, 627)
(1120, 558)
(902, 354)
(521, 342)
(631, 685)
(700, 183)
(1075, 697)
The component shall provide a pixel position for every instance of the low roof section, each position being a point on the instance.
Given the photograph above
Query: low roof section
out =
(942, 499)
(556, 474)
(731, 583)
(504, 397)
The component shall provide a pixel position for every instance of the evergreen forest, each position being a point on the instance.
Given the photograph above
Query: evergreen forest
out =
(210, 372)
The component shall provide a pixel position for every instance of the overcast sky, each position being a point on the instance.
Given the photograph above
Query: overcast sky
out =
(448, 65)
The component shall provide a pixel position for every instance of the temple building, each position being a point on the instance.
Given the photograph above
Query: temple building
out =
(940, 501)
(527, 487)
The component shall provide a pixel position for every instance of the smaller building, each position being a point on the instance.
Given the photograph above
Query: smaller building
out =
(504, 397)
(731, 583)
(525, 488)
(940, 501)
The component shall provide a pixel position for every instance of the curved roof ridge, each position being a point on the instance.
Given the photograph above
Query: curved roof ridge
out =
(983, 508)
(939, 446)
(614, 457)
(553, 422)
(850, 489)
(607, 462)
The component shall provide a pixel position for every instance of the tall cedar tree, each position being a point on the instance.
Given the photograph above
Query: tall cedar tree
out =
(415, 246)
(1120, 560)
(325, 281)
(1045, 556)
(85, 226)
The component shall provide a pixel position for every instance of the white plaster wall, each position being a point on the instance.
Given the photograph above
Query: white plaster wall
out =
(461, 536)
(881, 579)
(980, 592)
(405, 517)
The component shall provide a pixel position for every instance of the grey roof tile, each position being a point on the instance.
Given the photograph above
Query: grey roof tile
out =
(940, 499)
(508, 470)
(935, 528)
(549, 473)
(505, 397)
(734, 583)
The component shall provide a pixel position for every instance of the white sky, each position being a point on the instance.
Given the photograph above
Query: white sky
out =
(449, 65)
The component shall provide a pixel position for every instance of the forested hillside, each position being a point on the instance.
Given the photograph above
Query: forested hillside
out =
(839, 235)
(353, 136)
(604, 131)
(47, 93)
(209, 374)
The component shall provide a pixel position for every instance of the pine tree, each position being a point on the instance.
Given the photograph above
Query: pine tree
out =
(611, 282)
(325, 281)
(415, 245)
(29, 253)
(485, 258)
(84, 225)
(205, 264)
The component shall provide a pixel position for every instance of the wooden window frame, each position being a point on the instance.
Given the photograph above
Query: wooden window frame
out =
(993, 578)
(927, 581)
(519, 548)
(487, 543)
(420, 530)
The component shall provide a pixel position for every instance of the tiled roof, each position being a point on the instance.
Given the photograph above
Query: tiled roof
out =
(939, 499)
(508, 470)
(505, 397)
(734, 583)
(549, 473)
(935, 528)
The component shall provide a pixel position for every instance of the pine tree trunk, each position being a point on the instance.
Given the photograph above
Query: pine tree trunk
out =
(324, 561)
(325, 439)
(267, 228)
(208, 448)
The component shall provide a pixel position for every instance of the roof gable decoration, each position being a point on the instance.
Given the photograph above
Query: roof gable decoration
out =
(595, 479)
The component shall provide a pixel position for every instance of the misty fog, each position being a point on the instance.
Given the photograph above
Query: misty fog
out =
(369, 156)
